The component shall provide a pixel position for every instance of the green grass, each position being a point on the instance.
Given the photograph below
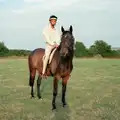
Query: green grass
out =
(93, 92)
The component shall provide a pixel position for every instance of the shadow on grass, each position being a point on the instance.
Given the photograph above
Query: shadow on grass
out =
(62, 113)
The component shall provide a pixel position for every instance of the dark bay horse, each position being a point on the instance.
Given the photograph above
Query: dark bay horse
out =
(60, 67)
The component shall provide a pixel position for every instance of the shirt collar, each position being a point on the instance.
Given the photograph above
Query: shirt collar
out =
(51, 28)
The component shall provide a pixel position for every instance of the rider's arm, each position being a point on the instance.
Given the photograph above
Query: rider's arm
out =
(46, 36)
(58, 40)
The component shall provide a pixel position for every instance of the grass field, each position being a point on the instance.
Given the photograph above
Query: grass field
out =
(93, 92)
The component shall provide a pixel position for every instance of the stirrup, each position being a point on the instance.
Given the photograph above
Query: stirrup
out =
(44, 76)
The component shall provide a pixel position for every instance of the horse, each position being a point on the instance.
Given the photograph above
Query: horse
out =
(60, 67)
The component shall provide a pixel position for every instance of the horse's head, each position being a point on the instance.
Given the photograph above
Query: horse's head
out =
(67, 42)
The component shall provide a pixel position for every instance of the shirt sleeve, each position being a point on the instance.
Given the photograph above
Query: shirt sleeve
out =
(58, 38)
(46, 36)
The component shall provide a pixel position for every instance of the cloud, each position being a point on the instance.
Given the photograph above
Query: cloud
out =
(18, 11)
(47, 5)
(38, 6)
(58, 4)
(1, 1)
(33, 1)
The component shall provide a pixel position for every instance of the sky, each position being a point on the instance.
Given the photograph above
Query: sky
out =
(22, 21)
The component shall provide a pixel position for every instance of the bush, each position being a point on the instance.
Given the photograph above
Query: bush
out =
(80, 50)
(3, 49)
(19, 52)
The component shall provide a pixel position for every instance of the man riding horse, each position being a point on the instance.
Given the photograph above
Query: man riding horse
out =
(52, 40)
(60, 66)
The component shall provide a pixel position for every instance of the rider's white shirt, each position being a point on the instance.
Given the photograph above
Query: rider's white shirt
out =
(52, 36)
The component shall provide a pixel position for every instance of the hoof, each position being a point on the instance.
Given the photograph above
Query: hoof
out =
(32, 97)
(64, 104)
(54, 107)
(39, 97)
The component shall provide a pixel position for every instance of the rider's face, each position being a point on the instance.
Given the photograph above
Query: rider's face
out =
(53, 22)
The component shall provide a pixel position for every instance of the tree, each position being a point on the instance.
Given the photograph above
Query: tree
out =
(92, 50)
(100, 47)
(80, 50)
(3, 49)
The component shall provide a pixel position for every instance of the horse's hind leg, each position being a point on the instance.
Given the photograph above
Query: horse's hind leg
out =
(31, 81)
(38, 86)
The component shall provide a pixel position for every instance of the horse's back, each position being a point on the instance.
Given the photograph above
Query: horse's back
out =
(35, 57)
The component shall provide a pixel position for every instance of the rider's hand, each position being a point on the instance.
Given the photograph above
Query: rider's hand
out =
(56, 45)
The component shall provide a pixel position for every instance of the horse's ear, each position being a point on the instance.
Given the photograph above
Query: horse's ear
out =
(62, 29)
(71, 29)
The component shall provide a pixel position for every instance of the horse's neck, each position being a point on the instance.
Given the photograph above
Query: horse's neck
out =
(60, 64)
(59, 59)
(65, 60)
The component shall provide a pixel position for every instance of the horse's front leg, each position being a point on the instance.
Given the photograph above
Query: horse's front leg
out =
(64, 85)
(55, 89)
(38, 87)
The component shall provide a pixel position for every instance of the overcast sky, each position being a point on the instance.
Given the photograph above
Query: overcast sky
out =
(22, 21)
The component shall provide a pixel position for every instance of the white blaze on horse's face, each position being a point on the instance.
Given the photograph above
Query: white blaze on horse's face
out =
(64, 52)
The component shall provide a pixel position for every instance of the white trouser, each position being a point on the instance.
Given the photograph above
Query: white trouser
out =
(48, 50)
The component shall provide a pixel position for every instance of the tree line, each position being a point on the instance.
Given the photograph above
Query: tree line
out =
(99, 49)
(4, 51)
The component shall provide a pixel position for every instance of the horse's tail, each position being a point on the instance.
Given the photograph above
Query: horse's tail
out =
(32, 71)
